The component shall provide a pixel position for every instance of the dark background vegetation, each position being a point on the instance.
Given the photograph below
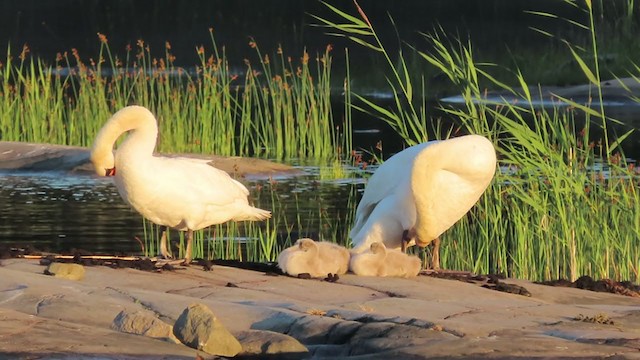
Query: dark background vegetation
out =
(49, 27)
(500, 30)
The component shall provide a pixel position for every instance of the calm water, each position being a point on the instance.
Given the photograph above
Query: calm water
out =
(59, 211)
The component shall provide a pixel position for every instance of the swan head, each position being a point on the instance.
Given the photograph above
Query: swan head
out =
(137, 119)
(103, 160)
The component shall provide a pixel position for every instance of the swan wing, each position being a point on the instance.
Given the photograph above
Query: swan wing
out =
(391, 178)
(385, 224)
(197, 179)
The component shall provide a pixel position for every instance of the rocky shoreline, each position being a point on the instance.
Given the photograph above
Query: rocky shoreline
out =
(45, 317)
(118, 312)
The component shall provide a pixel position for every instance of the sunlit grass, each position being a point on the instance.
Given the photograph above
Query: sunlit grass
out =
(564, 201)
(279, 108)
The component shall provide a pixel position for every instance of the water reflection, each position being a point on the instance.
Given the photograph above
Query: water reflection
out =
(57, 211)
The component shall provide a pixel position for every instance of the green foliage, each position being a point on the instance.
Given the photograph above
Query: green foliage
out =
(563, 203)
(276, 110)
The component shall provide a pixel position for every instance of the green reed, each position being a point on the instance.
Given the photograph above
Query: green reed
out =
(275, 110)
(564, 201)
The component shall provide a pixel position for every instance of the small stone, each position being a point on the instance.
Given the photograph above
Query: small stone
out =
(143, 323)
(65, 271)
(198, 327)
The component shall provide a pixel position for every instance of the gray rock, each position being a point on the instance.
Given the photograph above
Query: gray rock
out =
(312, 329)
(65, 271)
(259, 342)
(143, 323)
(198, 327)
(329, 350)
(46, 157)
(279, 322)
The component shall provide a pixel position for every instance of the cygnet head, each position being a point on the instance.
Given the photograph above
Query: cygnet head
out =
(378, 248)
(306, 244)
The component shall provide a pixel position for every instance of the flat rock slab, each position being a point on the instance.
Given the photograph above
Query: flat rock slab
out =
(371, 318)
(49, 157)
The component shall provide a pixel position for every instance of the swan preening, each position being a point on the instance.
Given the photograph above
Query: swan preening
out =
(316, 258)
(420, 192)
(380, 261)
(180, 193)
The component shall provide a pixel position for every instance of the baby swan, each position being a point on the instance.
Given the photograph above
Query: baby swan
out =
(316, 258)
(181, 193)
(380, 261)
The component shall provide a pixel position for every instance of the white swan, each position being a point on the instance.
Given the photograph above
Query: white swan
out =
(316, 258)
(420, 192)
(380, 261)
(181, 193)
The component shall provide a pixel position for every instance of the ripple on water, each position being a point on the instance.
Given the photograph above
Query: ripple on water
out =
(60, 211)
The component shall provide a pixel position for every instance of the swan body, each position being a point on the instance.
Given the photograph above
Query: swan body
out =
(420, 192)
(180, 193)
(380, 261)
(316, 258)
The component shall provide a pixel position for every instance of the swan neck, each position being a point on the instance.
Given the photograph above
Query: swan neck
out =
(138, 120)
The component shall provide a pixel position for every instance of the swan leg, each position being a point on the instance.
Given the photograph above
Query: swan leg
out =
(187, 255)
(405, 240)
(435, 254)
(164, 248)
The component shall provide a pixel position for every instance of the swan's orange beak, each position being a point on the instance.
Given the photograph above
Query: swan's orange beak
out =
(110, 172)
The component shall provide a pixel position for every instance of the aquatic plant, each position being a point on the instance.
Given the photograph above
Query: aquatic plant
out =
(564, 201)
(273, 110)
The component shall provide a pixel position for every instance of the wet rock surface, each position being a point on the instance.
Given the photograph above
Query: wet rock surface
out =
(48, 157)
(603, 285)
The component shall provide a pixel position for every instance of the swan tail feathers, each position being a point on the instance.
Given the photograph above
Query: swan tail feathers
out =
(256, 214)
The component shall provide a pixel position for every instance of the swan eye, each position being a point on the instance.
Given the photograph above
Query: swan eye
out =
(110, 172)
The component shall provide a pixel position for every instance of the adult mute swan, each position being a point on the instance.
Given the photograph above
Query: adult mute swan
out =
(380, 261)
(420, 192)
(316, 258)
(180, 193)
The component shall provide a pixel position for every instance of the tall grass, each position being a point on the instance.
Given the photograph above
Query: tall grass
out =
(564, 201)
(270, 110)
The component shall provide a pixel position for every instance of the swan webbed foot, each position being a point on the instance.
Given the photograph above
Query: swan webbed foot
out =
(332, 277)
